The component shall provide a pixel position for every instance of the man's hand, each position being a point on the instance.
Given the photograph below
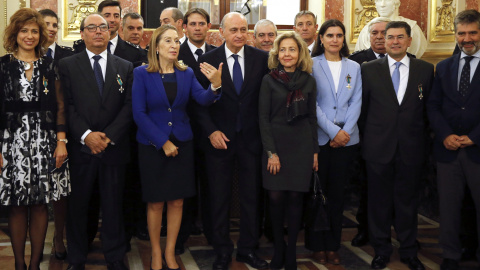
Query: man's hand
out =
(96, 142)
(170, 149)
(342, 138)
(453, 142)
(218, 140)
(465, 142)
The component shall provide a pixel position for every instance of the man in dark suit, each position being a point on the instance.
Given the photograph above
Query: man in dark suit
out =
(395, 89)
(97, 88)
(196, 24)
(377, 50)
(453, 111)
(231, 125)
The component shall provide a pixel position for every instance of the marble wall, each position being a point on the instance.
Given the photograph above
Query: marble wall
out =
(334, 9)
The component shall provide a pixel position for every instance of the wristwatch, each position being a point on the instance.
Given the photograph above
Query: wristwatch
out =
(63, 140)
(270, 154)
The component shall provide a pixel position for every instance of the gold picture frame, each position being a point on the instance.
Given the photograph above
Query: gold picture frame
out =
(442, 15)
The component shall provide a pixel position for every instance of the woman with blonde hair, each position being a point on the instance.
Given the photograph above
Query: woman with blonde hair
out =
(160, 94)
(288, 126)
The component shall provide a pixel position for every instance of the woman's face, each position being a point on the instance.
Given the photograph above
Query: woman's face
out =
(168, 46)
(52, 28)
(28, 36)
(288, 53)
(332, 40)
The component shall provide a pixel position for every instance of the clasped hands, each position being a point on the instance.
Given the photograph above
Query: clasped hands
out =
(213, 75)
(453, 142)
(340, 140)
(97, 141)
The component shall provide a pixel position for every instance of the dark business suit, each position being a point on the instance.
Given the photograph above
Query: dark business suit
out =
(394, 138)
(245, 146)
(61, 52)
(190, 208)
(110, 113)
(451, 113)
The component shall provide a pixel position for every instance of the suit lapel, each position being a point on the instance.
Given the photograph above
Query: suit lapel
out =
(342, 84)
(412, 87)
(86, 69)
(110, 77)
(384, 72)
(328, 74)
(248, 65)
(226, 76)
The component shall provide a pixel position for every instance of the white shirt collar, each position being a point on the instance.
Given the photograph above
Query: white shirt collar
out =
(377, 54)
(193, 48)
(182, 39)
(229, 53)
(310, 47)
(102, 54)
(114, 41)
(405, 60)
(477, 54)
(52, 47)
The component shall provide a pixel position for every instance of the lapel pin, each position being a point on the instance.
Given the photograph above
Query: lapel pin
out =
(420, 90)
(45, 84)
(349, 79)
(119, 81)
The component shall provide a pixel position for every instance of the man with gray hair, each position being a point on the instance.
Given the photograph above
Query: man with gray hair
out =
(174, 17)
(265, 33)
(453, 111)
(306, 26)
(376, 29)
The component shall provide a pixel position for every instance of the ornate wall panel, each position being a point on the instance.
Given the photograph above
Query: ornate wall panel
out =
(441, 20)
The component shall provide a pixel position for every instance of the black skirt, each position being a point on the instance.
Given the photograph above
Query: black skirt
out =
(166, 178)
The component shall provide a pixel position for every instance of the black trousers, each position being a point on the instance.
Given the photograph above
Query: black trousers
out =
(220, 166)
(111, 184)
(393, 200)
(452, 178)
(333, 169)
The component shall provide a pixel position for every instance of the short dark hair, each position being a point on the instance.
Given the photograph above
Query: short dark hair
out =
(320, 49)
(176, 13)
(399, 24)
(82, 24)
(109, 3)
(49, 13)
(467, 17)
(202, 12)
(133, 16)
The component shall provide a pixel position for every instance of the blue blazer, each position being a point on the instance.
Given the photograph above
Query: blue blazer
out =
(341, 107)
(155, 117)
(451, 113)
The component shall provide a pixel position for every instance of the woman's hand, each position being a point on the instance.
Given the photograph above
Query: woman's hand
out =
(341, 139)
(170, 149)
(213, 75)
(273, 165)
(315, 162)
(60, 154)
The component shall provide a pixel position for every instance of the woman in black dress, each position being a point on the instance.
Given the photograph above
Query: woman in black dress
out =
(288, 126)
(160, 94)
(32, 128)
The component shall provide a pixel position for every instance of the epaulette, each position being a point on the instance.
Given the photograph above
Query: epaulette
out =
(78, 42)
(66, 48)
(147, 48)
(133, 45)
(357, 52)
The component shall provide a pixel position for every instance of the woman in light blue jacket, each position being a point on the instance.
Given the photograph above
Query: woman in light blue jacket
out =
(339, 100)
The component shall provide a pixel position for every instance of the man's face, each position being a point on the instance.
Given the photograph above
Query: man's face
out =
(133, 30)
(166, 18)
(112, 15)
(397, 43)
(265, 37)
(377, 37)
(385, 8)
(197, 28)
(468, 38)
(235, 31)
(305, 26)
(96, 40)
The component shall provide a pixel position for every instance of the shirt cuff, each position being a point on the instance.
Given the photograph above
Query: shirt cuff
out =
(82, 139)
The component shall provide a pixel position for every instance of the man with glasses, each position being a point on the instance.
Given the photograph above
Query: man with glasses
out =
(395, 89)
(97, 87)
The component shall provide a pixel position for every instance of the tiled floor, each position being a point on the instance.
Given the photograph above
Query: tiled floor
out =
(199, 256)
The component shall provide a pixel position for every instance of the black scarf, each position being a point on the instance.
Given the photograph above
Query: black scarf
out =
(296, 102)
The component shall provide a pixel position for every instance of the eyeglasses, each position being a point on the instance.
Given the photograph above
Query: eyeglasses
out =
(93, 27)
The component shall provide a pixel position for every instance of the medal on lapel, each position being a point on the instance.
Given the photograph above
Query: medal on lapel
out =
(45, 84)
(349, 79)
(119, 81)
(420, 90)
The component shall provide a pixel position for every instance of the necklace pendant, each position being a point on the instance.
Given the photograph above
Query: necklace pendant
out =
(27, 66)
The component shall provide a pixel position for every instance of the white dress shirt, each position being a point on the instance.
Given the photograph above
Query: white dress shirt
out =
(310, 47)
(194, 48)
(114, 42)
(404, 69)
(473, 65)
(335, 69)
(52, 47)
(231, 60)
(182, 39)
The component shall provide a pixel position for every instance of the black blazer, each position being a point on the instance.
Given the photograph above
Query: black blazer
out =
(110, 113)
(62, 52)
(451, 113)
(363, 56)
(188, 58)
(222, 115)
(388, 126)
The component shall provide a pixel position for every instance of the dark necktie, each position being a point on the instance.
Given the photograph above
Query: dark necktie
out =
(49, 53)
(199, 52)
(237, 74)
(465, 77)
(396, 77)
(98, 73)
(381, 55)
(108, 47)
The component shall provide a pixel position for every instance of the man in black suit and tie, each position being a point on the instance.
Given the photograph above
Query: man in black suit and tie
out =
(97, 87)
(454, 114)
(395, 89)
(196, 24)
(231, 125)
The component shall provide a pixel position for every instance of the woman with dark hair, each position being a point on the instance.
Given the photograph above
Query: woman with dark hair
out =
(288, 126)
(160, 93)
(32, 134)
(56, 52)
(339, 100)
